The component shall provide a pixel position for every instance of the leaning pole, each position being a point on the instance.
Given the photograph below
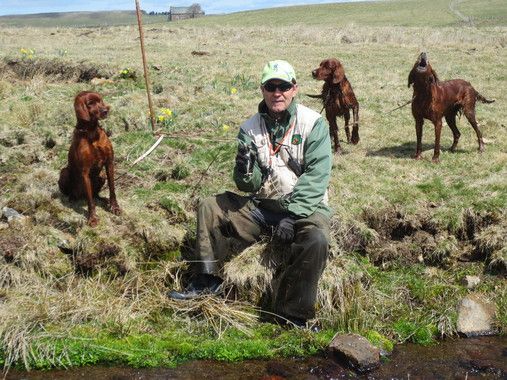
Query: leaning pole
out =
(148, 91)
(145, 66)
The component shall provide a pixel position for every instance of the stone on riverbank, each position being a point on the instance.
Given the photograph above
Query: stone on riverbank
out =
(471, 282)
(356, 351)
(11, 215)
(475, 316)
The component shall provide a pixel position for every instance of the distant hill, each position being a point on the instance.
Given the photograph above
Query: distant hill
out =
(373, 13)
(477, 13)
(78, 19)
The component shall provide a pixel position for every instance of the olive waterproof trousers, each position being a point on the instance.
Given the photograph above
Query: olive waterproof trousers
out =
(228, 223)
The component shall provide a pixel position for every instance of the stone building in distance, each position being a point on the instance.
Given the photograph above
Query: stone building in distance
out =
(182, 13)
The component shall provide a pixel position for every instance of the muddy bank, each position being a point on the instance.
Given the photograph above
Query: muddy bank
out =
(54, 70)
(476, 358)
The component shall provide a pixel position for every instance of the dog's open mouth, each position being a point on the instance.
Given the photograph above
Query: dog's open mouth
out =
(423, 62)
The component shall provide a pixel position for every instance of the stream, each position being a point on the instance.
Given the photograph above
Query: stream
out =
(474, 358)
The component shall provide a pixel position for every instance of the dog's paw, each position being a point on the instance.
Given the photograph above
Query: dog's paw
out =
(93, 221)
(115, 208)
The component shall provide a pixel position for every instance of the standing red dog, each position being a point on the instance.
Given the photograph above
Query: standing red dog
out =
(434, 100)
(338, 98)
(89, 152)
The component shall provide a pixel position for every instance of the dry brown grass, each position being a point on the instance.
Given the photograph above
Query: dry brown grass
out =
(250, 270)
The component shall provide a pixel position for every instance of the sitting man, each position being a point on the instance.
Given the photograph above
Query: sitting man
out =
(284, 160)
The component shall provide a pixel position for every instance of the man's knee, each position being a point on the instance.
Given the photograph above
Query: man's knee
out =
(315, 237)
(207, 203)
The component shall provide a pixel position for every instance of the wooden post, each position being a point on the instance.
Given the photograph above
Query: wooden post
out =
(145, 68)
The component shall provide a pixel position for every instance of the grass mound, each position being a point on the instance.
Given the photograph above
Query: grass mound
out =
(53, 70)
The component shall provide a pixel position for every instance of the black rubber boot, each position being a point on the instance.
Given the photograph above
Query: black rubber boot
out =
(202, 284)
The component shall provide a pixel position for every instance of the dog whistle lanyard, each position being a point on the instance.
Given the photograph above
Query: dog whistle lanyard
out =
(274, 151)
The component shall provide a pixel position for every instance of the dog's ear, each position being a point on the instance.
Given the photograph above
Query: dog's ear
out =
(81, 108)
(411, 78)
(338, 73)
(434, 76)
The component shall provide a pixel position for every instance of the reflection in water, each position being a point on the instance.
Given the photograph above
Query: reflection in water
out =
(477, 358)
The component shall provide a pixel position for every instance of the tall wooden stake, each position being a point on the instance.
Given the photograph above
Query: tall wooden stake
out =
(145, 67)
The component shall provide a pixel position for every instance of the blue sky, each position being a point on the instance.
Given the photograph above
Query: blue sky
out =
(8, 7)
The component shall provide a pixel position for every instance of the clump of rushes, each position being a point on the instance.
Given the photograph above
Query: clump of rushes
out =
(180, 171)
(243, 82)
(158, 88)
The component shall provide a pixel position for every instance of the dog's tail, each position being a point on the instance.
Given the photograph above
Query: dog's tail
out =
(315, 96)
(482, 98)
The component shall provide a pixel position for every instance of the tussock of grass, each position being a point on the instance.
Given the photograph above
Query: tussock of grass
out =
(218, 314)
(341, 296)
(250, 270)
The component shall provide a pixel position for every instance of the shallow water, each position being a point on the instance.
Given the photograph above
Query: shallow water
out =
(475, 358)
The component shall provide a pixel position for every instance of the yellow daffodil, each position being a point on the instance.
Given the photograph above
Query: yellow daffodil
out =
(27, 53)
(225, 127)
(234, 90)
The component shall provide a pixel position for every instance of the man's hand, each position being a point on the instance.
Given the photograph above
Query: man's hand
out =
(245, 159)
(284, 232)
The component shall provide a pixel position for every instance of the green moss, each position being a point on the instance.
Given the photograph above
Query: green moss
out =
(408, 330)
(90, 346)
(379, 340)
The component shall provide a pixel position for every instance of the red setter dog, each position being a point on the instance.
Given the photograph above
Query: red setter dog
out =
(338, 98)
(433, 100)
(89, 152)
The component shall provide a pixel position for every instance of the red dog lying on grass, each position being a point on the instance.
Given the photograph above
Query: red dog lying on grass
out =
(338, 98)
(433, 100)
(89, 152)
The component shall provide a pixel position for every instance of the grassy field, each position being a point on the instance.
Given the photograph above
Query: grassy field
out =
(405, 232)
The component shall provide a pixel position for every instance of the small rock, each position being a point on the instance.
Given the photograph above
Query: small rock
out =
(471, 281)
(356, 350)
(475, 316)
(12, 215)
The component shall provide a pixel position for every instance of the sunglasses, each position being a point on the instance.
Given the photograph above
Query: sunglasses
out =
(283, 86)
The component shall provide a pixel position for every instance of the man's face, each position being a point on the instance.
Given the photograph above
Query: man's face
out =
(278, 95)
